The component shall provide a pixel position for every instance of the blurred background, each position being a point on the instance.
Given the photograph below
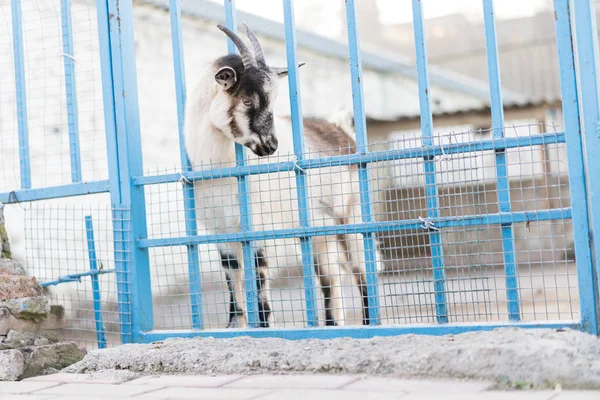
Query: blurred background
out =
(461, 113)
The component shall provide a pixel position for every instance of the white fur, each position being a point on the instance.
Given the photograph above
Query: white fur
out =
(274, 197)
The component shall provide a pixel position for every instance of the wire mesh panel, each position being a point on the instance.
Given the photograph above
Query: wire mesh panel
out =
(469, 224)
(60, 246)
(434, 230)
(54, 116)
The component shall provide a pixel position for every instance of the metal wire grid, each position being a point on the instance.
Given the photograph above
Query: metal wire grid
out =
(488, 306)
(57, 246)
(473, 255)
(49, 113)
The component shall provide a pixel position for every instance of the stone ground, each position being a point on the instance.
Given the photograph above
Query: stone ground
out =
(115, 385)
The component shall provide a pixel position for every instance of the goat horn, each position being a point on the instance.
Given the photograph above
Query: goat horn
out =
(258, 52)
(247, 56)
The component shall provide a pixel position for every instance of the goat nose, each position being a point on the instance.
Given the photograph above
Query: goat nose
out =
(273, 144)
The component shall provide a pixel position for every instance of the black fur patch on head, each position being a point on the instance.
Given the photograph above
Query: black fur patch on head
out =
(251, 83)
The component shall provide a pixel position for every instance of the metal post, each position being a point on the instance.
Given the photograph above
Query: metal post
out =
(589, 98)
(503, 184)
(360, 126)
(91, 245)
(19, 56)
(312, 316)
(431, 190)
(117, 53)
(189, 203)
(244, 199)
(71, 90)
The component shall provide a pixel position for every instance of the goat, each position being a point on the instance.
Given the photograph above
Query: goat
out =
(233, 101)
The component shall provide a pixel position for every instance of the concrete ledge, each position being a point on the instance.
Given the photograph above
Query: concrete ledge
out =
(509, 357)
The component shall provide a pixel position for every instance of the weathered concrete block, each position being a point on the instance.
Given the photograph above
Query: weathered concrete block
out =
(12, 365)
(47, 326)
(34, 308)
(11, 267)
(39, 359)
(16, 286)
(31, 361)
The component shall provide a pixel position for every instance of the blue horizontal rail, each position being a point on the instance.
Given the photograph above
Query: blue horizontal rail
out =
(55, 192)
(353, 331)
(357, 159)
(76, 277)
(365, 227)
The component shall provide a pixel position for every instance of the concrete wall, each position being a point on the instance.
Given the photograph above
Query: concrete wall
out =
(482, 245)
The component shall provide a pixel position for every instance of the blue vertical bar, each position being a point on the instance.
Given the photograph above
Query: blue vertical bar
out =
(71, 89)
(244, 198)
(360, 125)
(431, 190)
(114, 173)
(587, 54)
(133, 278)
(19, 55)
(91, 245)
(577, 182)
(113, 168)
(189, 204)
(503, 186)
(312, 316)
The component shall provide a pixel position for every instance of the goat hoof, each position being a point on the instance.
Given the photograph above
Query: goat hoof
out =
(236, 323)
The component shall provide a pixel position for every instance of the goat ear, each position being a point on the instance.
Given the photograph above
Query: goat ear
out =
(282, 72)
(226, 77)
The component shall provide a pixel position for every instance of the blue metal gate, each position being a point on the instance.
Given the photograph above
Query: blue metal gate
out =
(576, 41)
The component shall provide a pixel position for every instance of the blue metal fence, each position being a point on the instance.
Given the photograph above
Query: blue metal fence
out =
(127, 181)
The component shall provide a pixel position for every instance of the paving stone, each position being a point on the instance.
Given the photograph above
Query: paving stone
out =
(204, 393)
(302, 394)
(95, 390)
(578, 395)
(512, 395)
(100, 377)
(294, 381)
(184, 381)
(79, 397)
(419, 386)
(22, 387)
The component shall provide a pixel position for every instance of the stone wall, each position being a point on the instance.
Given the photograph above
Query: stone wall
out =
(30, 328)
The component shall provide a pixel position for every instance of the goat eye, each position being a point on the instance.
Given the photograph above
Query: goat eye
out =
(247, 102)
